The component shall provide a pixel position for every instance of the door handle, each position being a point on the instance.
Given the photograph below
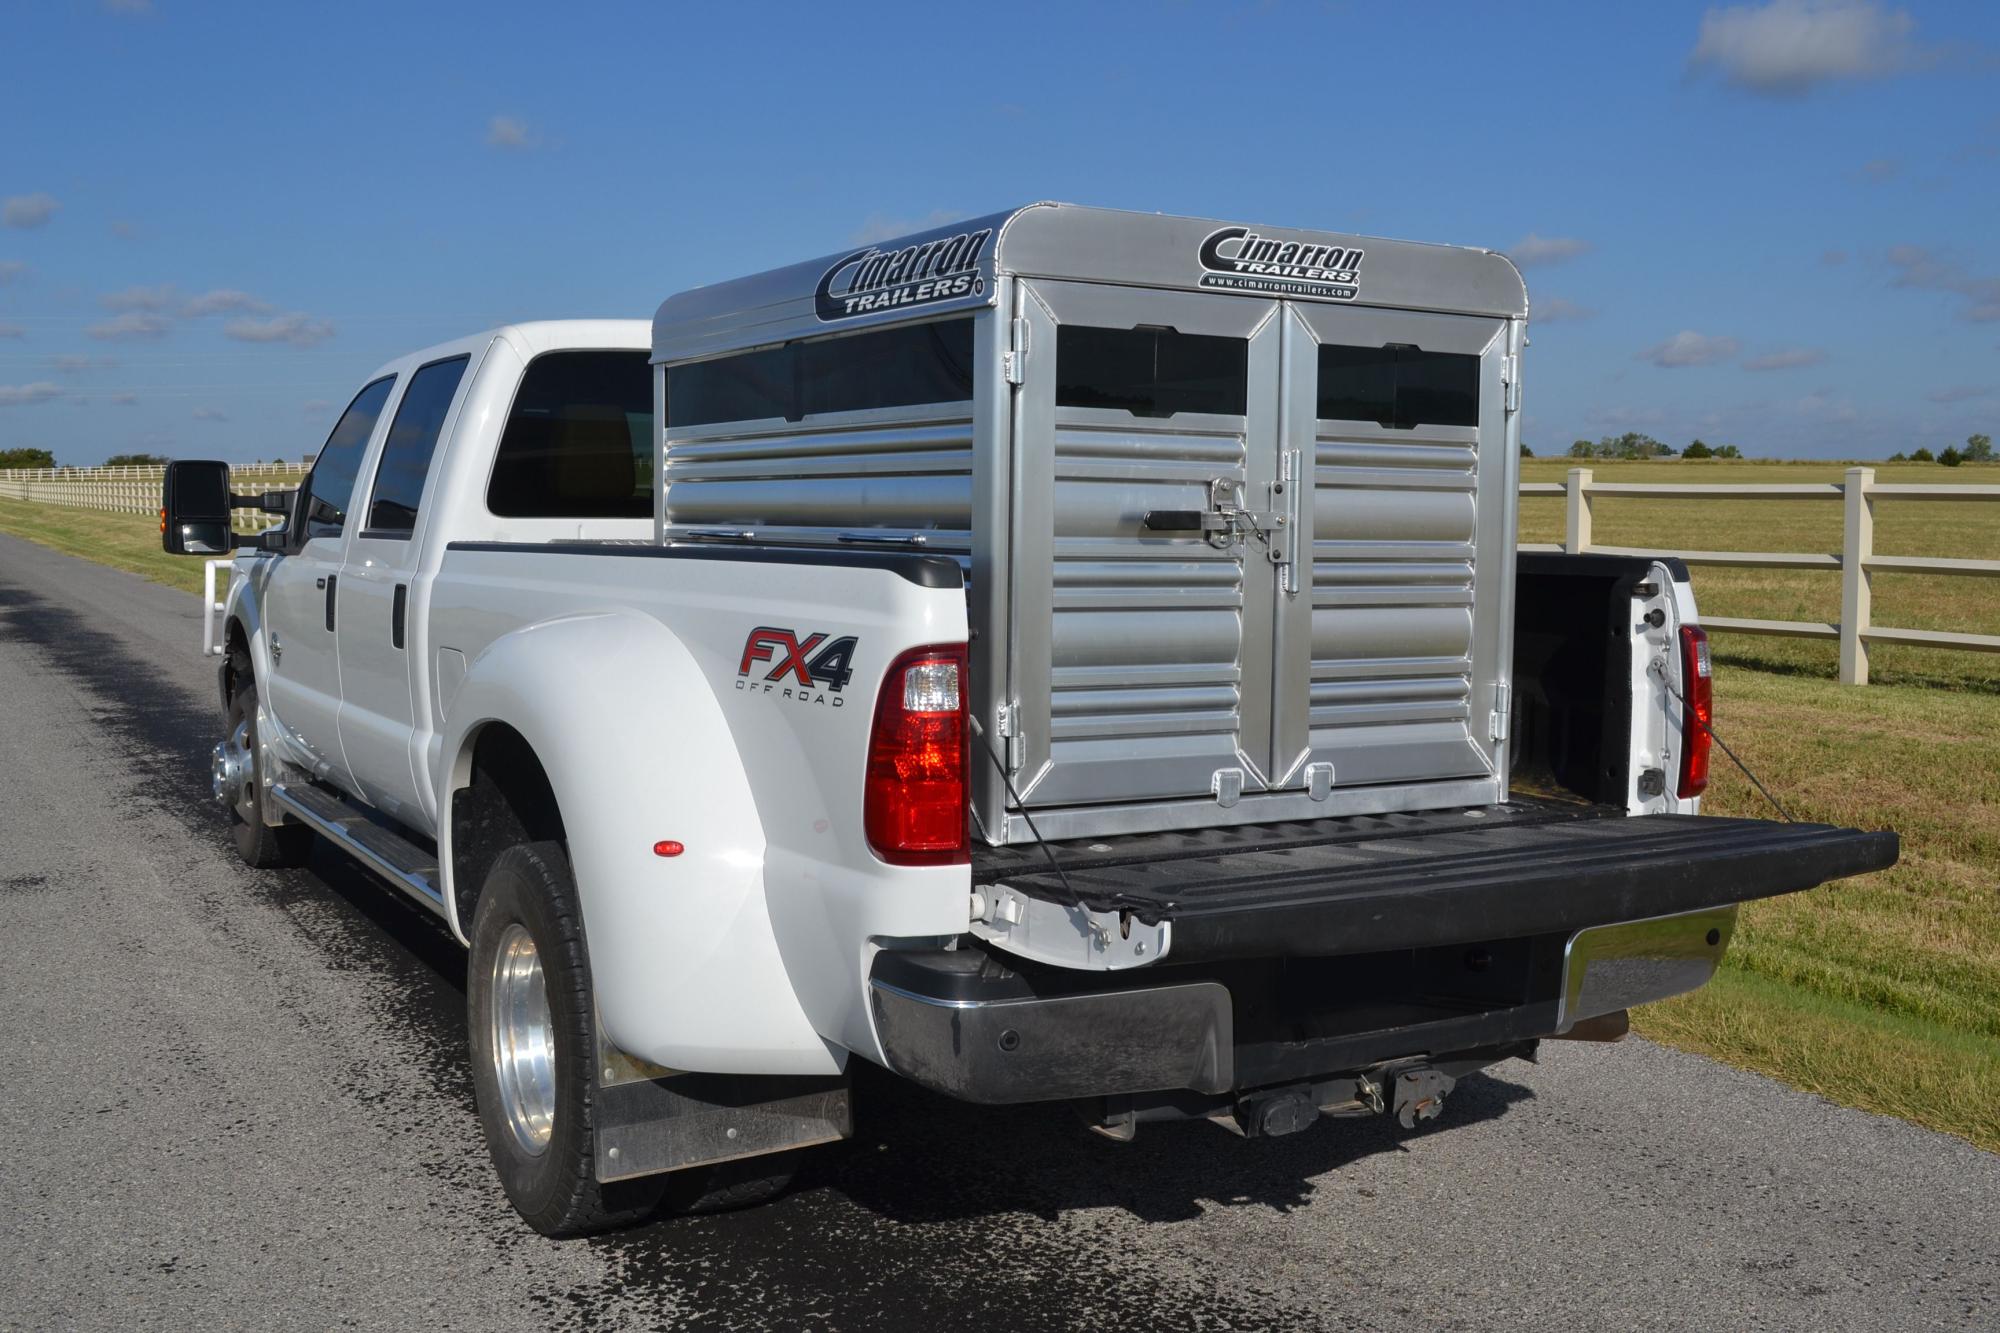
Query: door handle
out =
(398, 614)
(331, 581)
(319, 582)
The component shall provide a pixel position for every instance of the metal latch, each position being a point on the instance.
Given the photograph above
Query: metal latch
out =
(1226, 521)
(1227, 785)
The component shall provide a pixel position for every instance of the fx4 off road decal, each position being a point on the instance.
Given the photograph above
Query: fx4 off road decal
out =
(1237, 259)
(806, 668)
(871, 280)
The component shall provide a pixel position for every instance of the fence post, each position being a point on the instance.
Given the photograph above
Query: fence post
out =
(1857, 547)
(1576, 511)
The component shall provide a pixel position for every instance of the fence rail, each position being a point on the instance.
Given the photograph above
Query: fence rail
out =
(1856, 560)
(136, 489)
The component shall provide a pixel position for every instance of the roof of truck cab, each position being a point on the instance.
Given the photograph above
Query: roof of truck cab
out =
(957, 267)
(531, 338)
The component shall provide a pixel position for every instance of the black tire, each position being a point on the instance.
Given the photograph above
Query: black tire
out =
(556, 1190)
(261, 845)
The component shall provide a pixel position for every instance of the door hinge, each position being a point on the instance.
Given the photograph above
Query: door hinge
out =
(1497, 721)
(1510, 382)
(1014, 363)
(1013, 745)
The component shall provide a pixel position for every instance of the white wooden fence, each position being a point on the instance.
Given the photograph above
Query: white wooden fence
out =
(136, 490)
(1856, 560)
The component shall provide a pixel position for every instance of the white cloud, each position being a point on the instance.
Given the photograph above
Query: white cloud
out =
(28, 210)
(1688, 348)
(1556, 310)
(73, 364)
(1535, 248)
(1959, 393)
(11, 269)
(880, 227)
(129, 327)
(297, 328)
(1786, 358)
(8, 330)
(1789, 47)
(17, 395)
(512, 134)
(1917, 267)
(210, 414)
(140, 298)
(225, 301)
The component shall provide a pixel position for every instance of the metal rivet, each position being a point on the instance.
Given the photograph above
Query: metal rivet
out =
(734, 1132)
(612, 1154)
(608, 1074)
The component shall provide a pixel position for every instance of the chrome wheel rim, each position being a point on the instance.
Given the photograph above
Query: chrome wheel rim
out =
(524, 1041)
(233, 773)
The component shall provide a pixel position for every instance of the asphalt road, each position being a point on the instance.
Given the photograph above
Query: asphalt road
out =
(234, 1099)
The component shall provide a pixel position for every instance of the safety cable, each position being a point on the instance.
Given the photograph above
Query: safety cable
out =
(1688, 709)
(1000, 766)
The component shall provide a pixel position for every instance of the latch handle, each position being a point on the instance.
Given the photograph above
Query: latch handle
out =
(1172, 520)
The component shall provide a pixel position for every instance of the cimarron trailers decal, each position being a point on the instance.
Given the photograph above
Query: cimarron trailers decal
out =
(1237, 259)
(873, 280)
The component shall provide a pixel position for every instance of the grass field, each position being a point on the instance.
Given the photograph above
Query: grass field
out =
(1882, 992)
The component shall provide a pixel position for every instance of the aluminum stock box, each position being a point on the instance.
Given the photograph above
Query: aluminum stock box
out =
(1235, 503)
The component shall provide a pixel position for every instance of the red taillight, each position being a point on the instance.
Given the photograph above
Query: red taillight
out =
(1697, 711)
(919, 761)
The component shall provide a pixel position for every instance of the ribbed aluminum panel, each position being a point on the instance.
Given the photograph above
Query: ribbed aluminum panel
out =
(887, 474)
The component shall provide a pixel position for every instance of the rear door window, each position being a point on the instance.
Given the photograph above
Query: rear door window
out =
(412, 443)
(579, 439)
(1398, 386)
(330, 487)
(1151, 372)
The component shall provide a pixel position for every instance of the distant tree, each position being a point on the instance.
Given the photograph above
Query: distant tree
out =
(1978, 449)
(136, 460)
(1899, 457)
(1922, 456)
(1697, 450)
(26, 457)
(1526, 452)
(1728, 451)
(1630, 445)
(1581, 449)
(1951, 458)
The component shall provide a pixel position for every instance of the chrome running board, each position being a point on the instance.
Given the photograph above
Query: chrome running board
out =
(401, 862)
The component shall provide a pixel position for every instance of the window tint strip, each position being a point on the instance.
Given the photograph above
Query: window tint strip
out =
(1151, 372)
(906, 366)
(1398, 386)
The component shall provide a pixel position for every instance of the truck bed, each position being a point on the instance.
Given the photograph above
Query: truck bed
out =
(1372, 883)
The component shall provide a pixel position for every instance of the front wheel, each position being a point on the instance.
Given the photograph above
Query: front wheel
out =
(237, 783)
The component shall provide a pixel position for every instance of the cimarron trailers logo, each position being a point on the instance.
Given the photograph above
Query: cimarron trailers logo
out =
(1237, 259)
(873, 280)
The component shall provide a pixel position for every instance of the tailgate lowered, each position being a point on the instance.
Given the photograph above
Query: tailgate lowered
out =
(1375, 883)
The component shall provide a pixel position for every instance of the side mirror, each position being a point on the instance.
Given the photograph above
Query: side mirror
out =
(194, 509)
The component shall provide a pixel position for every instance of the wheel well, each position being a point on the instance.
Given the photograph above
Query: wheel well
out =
(509, 801)
(235, 660)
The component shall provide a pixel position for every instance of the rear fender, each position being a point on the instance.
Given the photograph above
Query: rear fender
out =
(635, 744)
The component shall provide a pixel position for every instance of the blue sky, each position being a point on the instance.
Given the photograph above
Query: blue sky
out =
(1768, 224)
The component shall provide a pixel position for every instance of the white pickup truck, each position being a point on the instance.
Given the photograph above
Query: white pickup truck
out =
(1071, 655)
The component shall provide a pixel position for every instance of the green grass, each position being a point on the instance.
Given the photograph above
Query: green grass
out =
(1881, 992)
